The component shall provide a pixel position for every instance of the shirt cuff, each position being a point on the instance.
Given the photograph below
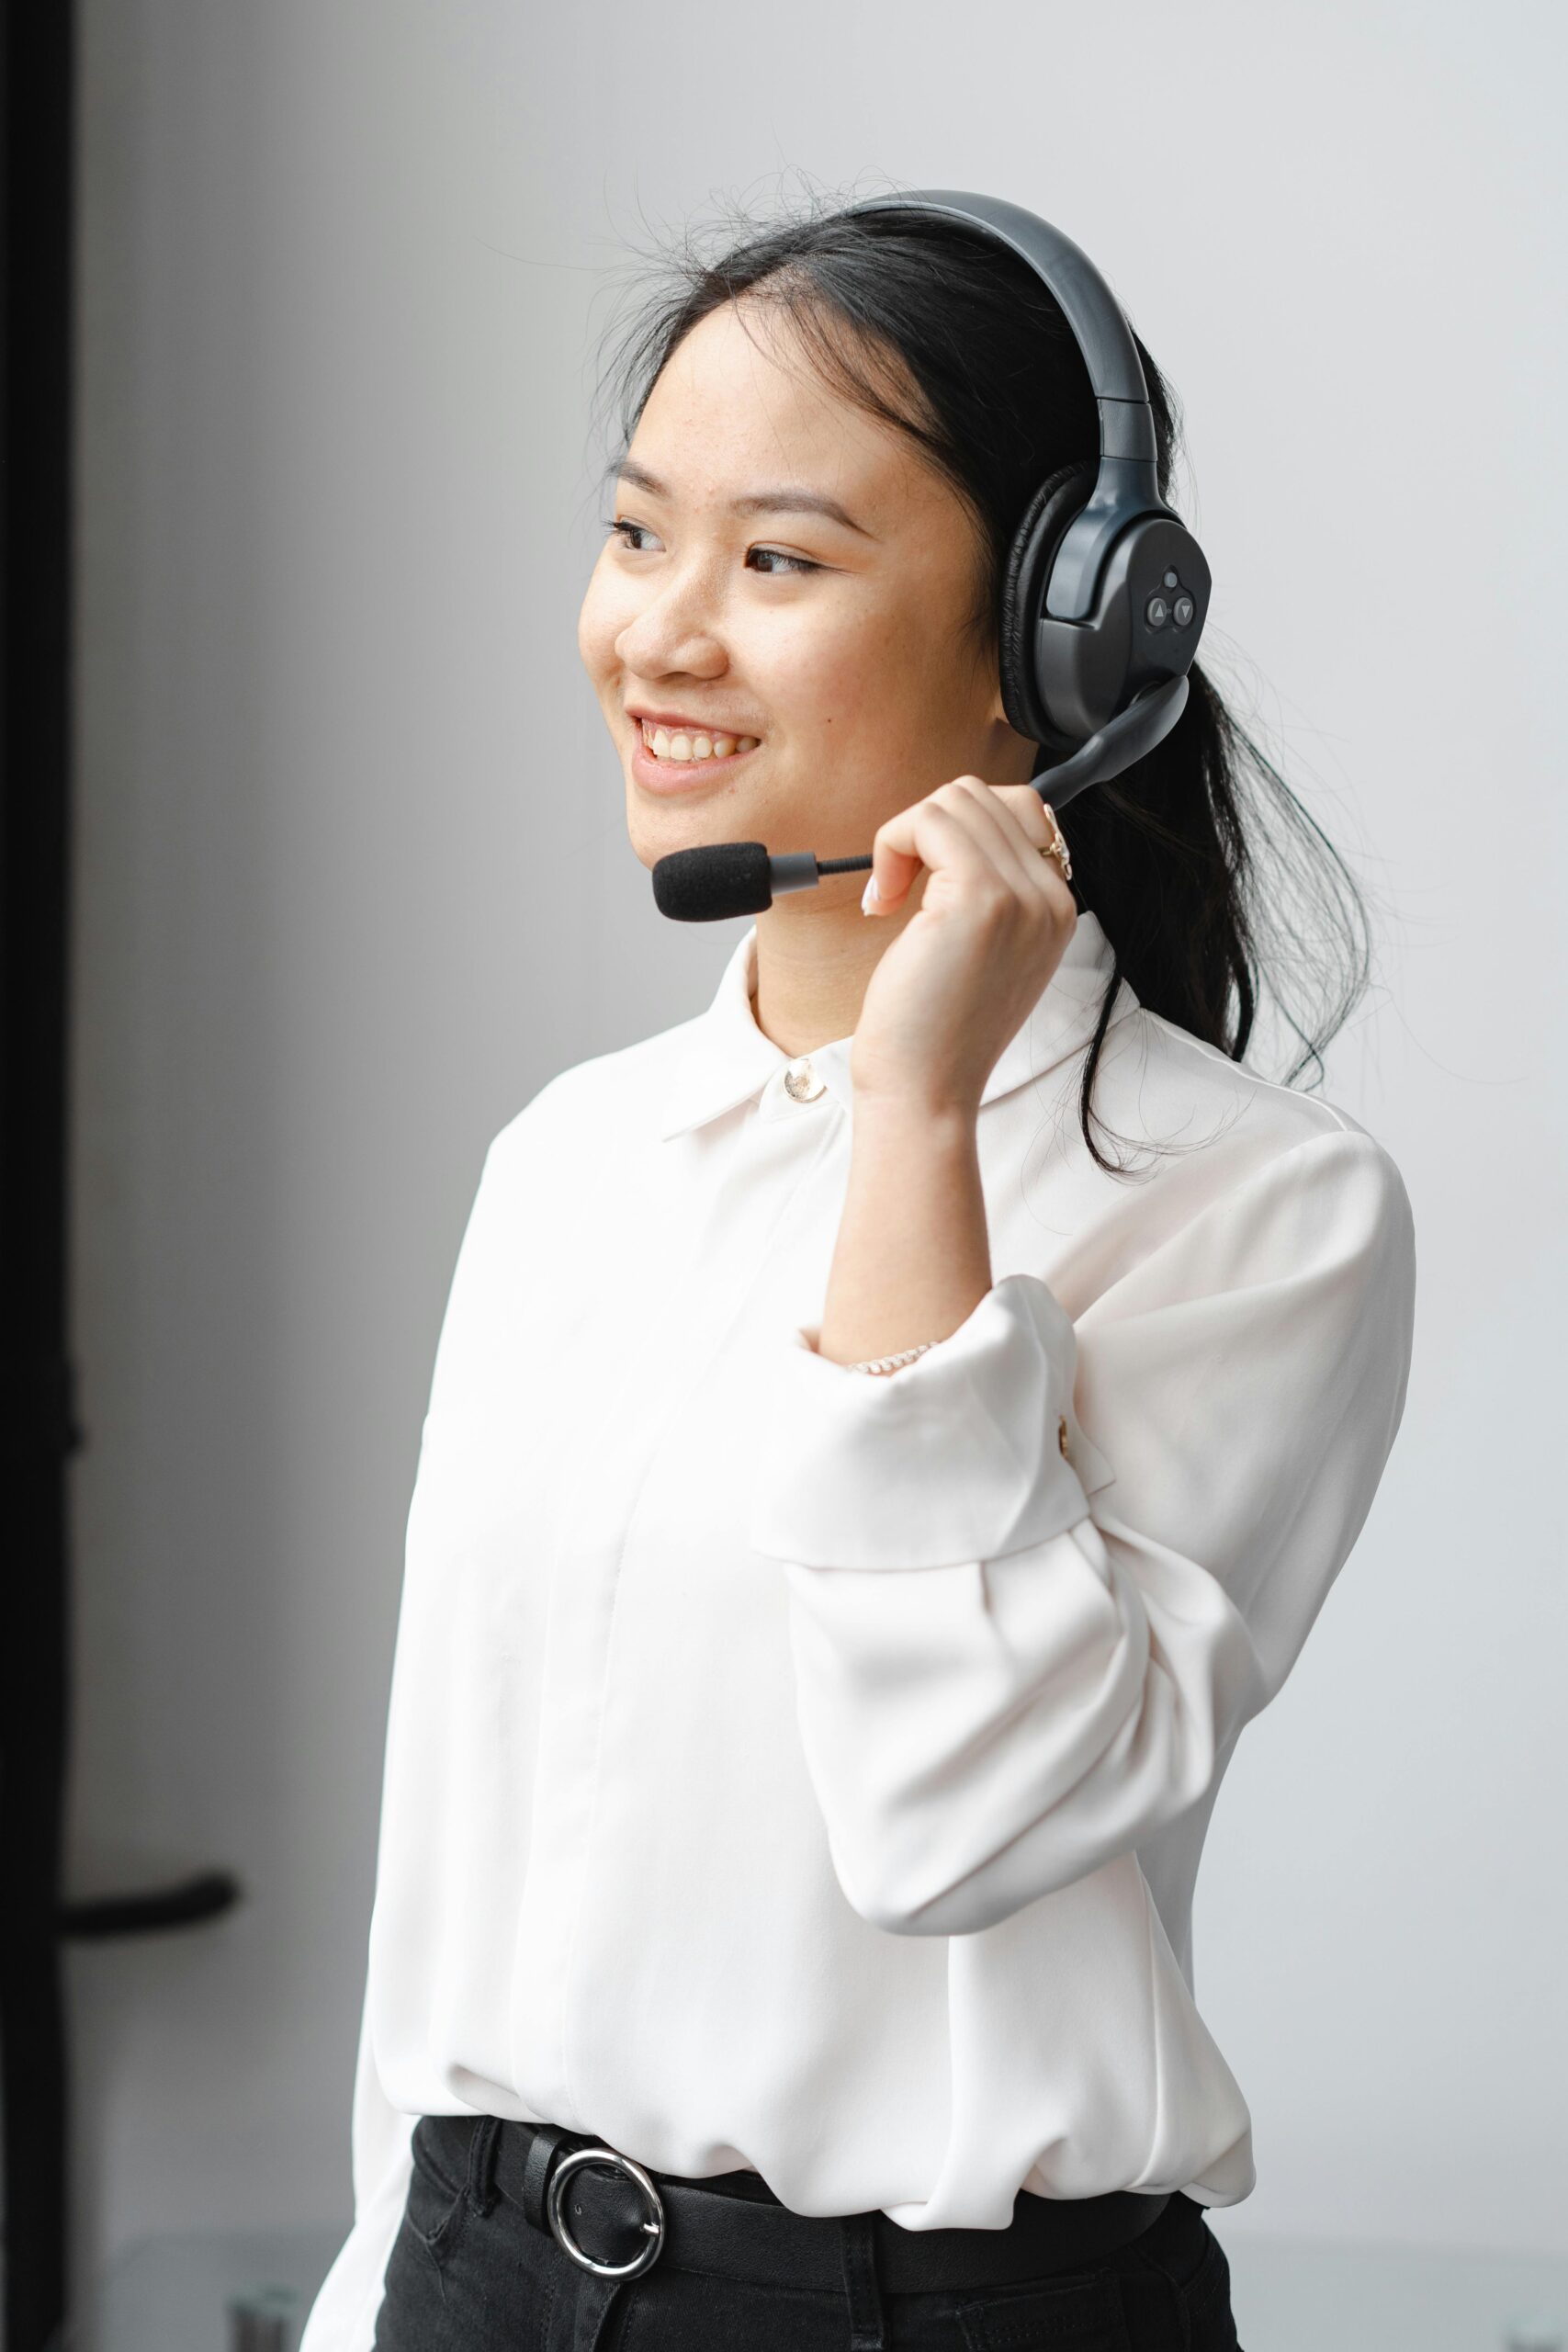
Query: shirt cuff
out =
(957, 1456)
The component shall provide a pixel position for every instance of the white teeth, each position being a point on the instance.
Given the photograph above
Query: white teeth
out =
(690, 746)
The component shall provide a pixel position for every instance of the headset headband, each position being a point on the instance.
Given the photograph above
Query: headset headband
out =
(1127, 482)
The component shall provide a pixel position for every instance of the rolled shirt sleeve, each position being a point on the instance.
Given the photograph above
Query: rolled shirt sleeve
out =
(1014, 1662)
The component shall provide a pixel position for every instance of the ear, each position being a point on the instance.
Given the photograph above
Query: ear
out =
(1015, 757)
(997, 715)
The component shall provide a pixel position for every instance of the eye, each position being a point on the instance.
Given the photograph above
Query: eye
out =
(795, 563)
(621, 528)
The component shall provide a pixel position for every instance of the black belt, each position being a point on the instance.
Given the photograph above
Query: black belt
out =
(616, 2218)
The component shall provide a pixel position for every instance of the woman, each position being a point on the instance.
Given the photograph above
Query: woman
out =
(858, 1512)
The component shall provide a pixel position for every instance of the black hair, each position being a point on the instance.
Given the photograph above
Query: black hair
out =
(1193, 856)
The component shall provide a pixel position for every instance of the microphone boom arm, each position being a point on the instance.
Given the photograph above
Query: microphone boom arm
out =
(1129, 737)
(722, 879)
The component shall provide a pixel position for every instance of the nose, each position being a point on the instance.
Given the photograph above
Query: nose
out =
(675, 630)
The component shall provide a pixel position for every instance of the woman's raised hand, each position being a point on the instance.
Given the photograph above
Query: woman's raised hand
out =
(993, 923)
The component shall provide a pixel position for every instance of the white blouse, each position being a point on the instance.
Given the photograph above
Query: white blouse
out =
(796, 1769)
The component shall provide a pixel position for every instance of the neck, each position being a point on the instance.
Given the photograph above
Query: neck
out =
(816, 953)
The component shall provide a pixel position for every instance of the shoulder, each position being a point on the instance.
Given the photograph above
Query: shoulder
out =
(1247, 1169)
(604, 1099)
(1193, 1082)
(1191, 1094)
(1207, 1138)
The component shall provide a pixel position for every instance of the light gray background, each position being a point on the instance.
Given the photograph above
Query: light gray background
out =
(353, 882)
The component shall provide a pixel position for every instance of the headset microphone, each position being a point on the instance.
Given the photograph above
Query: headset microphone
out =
(719, 880)
(1104, 591)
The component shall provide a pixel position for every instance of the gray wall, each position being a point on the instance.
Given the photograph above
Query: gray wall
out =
(353, 882)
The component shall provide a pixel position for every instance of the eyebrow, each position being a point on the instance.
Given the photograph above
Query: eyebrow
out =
(789, 499)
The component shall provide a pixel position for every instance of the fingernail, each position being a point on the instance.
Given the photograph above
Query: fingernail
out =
(870, 895)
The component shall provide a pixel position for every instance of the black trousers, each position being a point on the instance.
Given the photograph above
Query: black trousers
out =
(469, 2272)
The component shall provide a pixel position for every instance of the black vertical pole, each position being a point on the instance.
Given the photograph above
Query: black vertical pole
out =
(37, 1430)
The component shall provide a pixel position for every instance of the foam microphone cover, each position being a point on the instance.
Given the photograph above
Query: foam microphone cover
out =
(713, 883)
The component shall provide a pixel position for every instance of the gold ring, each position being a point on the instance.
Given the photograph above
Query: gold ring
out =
(1058, 848)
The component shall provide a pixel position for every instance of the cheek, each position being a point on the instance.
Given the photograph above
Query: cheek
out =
(599, 624)
(855, 686)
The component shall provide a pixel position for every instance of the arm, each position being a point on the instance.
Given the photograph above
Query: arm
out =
(1001, 1686)
(913, 1257)
(343, 2317)
(458, 1429)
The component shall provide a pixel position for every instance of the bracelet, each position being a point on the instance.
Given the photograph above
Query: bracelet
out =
(891, 1363)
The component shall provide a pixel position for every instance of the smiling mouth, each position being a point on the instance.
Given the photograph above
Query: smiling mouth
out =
(683, 746)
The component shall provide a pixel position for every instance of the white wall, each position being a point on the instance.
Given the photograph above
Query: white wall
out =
(352, 881)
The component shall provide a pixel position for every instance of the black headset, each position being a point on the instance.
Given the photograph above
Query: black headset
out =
(1103, 598)
(1105, 590)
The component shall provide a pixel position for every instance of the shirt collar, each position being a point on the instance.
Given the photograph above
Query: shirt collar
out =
(725, 1058)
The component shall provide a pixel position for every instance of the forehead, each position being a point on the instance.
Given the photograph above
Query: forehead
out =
(739, 400)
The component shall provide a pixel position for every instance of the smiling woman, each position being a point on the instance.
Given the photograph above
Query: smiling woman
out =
(922, 384)
(850, 1536)
(813, 613)
(677, 742)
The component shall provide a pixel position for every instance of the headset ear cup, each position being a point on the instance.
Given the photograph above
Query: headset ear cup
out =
(1027, 570)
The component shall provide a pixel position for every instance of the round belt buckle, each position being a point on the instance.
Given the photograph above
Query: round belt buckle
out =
(565, 2167)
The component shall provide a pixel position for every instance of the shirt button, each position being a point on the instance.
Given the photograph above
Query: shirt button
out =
(801, 1082)
(1062, 1437)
